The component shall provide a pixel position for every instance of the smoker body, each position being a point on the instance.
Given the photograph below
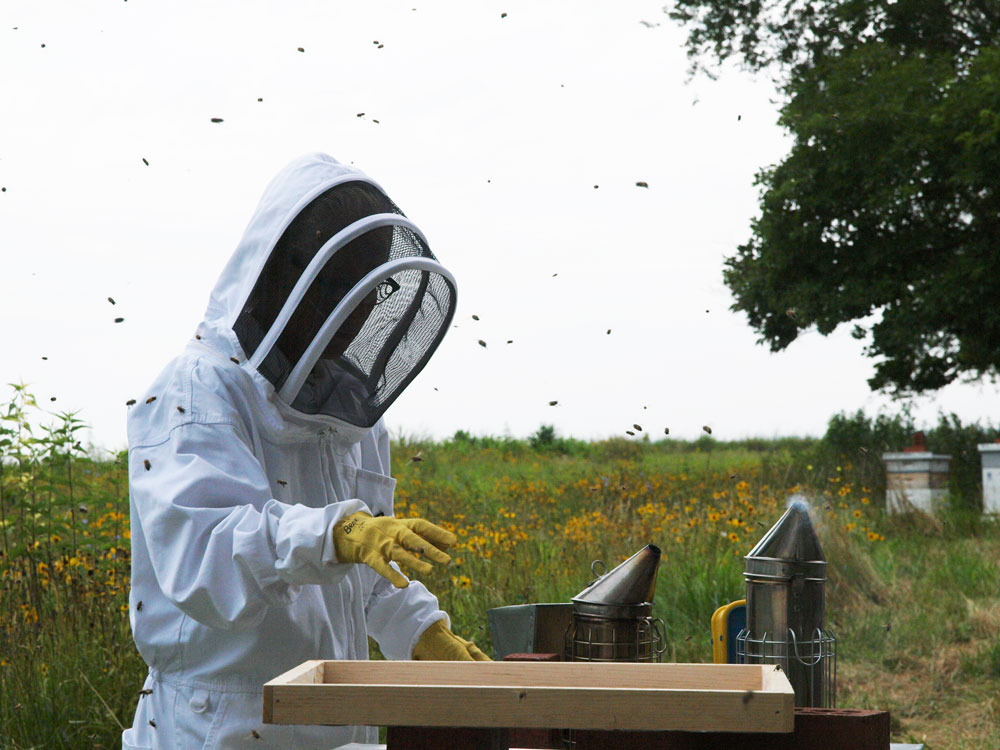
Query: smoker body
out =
(602, 633)
(613, 616)
(786, 608)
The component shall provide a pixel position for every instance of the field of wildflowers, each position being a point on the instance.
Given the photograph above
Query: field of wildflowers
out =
(913, 601)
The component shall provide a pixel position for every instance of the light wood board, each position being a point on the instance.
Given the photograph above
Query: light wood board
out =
(566, 695)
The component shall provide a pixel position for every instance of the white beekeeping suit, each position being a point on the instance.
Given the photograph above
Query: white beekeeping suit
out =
(256, 440)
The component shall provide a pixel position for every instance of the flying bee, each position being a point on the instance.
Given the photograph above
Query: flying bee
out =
(130, 402)
(553, 403)
(641, 184)
(609, 332)
(111, 300)
(629, 432)
(233, 359)
(151, 399)
(666, 430)
(138, 606)
(255, 734)
(510, 341)
(707, 429)
(282, 482)
(747, 697)
(216, 119)
(416, 458)
(475, 317)
(152, 723)
(198, 336)
(119, 320)
(144, 161)
(144, 692)
(482, 343)
(638, 427)
(147, 464)
(180, 409)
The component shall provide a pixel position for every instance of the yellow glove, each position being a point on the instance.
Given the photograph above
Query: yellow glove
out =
(437, 643)
(359, 538)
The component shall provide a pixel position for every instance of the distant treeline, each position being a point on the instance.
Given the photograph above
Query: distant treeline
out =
(856, 439)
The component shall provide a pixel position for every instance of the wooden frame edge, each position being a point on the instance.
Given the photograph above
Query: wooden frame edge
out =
(310, 672)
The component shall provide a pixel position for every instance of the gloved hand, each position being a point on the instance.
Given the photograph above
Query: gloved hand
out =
(437, 643)
(359, 538)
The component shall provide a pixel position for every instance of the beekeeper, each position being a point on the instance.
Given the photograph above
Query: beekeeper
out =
(262, 506)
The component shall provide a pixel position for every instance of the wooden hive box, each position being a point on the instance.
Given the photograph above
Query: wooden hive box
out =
(569, 695)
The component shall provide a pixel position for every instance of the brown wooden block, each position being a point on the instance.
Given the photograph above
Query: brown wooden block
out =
(836, 728)
(446, 738)
(532, 657)
(815, 729)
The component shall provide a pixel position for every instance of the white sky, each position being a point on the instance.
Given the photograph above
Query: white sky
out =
(492, 134)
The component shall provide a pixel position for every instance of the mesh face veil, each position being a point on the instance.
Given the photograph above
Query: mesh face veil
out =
(349, 305)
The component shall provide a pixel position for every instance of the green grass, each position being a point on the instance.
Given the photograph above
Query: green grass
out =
(914, 601)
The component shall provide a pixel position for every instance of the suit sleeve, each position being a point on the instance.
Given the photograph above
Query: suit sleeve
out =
(222, 548)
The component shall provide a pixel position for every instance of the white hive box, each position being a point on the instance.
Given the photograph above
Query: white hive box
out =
(990, 455)
(915, 480)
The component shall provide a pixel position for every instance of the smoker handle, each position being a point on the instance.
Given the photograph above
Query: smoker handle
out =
(661, 633)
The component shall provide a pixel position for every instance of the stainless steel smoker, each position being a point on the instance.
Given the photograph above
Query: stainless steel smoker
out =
(786, 602)
(613, 616)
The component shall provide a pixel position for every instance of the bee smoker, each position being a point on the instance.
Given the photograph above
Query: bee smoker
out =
(612, 616)
(786, 602)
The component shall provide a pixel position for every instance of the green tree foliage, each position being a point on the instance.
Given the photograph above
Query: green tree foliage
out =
(886, 211)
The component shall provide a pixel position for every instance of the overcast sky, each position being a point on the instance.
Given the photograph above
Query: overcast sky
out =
(514, 142)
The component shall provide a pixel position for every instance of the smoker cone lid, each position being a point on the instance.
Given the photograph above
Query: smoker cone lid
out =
(790, 547)
(633, 582)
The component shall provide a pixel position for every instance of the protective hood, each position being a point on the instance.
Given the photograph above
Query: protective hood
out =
(333, 296)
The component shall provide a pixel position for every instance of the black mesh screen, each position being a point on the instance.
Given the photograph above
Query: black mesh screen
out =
(397, 338)
(340, 274)
(322, 218)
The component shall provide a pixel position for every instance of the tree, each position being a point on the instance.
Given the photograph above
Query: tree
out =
(886, 211)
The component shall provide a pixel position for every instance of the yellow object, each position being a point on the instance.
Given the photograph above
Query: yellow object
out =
(720, 645)
(437, 643)
(360, 538)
